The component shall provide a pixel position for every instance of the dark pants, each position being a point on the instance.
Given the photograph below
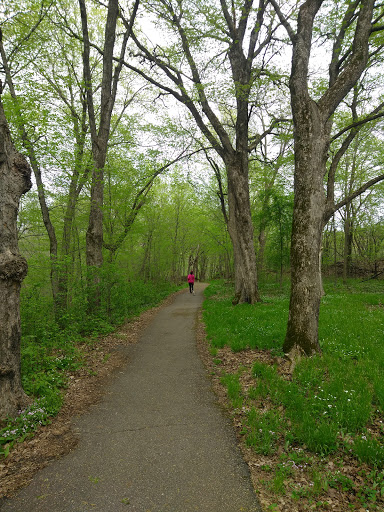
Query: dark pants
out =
(190, 287)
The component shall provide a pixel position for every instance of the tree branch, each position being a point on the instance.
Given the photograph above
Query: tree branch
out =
(328, 214)
(284, 21)
(258, 138)
(356, 63)
(375, 114)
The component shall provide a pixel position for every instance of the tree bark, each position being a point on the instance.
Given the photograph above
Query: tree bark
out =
(311, 147)
(240, 229)
(312, 127)
(15, 180)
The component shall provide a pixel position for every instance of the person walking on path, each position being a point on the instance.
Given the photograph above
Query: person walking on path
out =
(191, 280)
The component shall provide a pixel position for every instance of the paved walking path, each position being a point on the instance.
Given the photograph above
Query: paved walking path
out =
(157, 442)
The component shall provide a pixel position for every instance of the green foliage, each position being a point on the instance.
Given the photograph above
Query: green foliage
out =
(338, 479)
(233, 389)
(263, 430)
(368, 449)
(373, 488)
(331, 399)
(26, 422)
(279, 215)
(244, 326)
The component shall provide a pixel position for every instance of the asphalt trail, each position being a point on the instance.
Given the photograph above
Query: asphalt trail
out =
(157, 441)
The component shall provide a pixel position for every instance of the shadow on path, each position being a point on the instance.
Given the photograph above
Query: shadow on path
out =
(157, 442)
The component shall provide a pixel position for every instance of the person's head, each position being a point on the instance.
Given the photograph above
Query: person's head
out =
(192, 272)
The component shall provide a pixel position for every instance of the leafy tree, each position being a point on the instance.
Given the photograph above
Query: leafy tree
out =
(280, 222)
(100, 132)
(271, 173)
(142, 181)
(353, 36)
(202, 35)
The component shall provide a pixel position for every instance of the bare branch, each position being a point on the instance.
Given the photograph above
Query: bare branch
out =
(375, 114)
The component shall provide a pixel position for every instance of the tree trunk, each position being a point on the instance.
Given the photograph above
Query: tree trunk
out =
(347, 244)
(306, 289)
(66, 262)
(312, 127)
(334, 231)
(100, 138)
(78, 179)
(240, 229)
(260, 256)
(203, 264)
(94, 237)
(145, 270)
(15, 180)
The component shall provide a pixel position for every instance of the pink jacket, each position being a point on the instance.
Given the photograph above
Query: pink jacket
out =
(191, 278)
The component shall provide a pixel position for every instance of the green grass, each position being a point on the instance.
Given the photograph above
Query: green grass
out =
(334, 402)
(244, 326)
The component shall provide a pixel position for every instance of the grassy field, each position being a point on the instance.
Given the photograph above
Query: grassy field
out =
(318, 430)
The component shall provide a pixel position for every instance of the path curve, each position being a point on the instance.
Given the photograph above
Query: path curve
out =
(157, 442)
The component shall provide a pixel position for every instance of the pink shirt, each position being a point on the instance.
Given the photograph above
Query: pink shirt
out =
(191, 278)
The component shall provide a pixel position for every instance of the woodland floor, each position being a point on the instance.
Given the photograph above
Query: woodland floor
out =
(86, 388)
(262, 467)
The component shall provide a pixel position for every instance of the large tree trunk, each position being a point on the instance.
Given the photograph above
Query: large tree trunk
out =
(100, 138)
(240, 229)
(312, 126)
(311, 136)
(15, 180)
(306, 289)
(94, 237)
